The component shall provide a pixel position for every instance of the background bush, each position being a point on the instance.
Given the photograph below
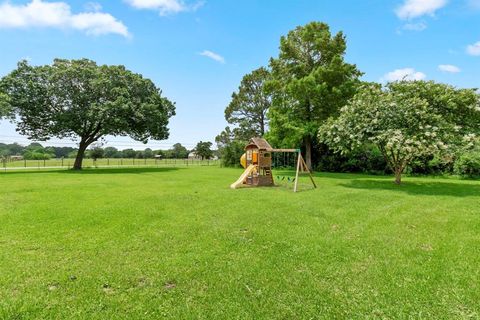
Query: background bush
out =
(231, 152)
(468, 164)
(367, 160)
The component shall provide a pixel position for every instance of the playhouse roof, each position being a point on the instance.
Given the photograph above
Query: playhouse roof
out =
(260, 143)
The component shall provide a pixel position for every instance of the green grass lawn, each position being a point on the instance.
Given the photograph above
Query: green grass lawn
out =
(148, 243)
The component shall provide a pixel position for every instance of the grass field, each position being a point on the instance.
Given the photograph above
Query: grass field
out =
(150, 243)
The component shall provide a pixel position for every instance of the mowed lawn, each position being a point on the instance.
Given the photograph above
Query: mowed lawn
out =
(178, 243)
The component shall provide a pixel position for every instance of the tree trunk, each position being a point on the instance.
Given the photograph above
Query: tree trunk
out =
(398, 176)
(79, 159)
(308, 152)
(262, 126)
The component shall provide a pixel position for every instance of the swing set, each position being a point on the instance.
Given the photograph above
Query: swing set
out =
(257, 161)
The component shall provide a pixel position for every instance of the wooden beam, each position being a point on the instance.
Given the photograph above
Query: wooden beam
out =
(283, 150)
(309, 172)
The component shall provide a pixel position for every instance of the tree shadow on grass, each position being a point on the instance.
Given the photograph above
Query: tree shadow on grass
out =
(94, 171)
(328, 175)
(430, 188)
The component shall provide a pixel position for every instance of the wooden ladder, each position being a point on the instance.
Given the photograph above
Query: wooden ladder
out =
(268, 173)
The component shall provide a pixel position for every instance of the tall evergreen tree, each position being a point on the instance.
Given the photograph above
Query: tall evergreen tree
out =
(249, 106)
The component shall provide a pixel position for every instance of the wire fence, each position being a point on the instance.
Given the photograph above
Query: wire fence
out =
(67, 163)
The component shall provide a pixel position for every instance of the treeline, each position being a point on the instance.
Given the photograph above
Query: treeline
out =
(309, 97)
(36, 151)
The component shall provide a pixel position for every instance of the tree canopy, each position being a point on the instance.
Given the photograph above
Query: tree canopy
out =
(249, 106)
(458, 107)
(96, 152)
(402, 126)
(178, 151)
(310, 82)
(36, 151)
(4, 105)
(112, 152)
(81, 100)
(203, 150)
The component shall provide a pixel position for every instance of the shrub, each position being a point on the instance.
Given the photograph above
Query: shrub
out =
(432, 164)
(367, 160)
(230, 153)
(468, 164)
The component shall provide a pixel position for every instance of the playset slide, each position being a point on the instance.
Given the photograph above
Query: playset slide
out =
(242, 178)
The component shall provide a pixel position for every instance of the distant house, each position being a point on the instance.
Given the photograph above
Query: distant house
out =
(193, 156)
(16, 158)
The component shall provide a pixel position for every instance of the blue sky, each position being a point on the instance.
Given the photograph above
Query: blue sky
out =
(197, 52)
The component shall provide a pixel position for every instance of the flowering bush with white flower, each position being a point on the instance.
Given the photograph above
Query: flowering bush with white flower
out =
(401, 126)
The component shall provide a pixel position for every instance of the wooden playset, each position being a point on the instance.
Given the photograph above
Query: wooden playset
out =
(257, 161)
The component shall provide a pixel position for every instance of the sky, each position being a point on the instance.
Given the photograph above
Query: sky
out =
(198, 51)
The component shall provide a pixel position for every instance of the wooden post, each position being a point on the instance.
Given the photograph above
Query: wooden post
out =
(298, 169)
(309, 172)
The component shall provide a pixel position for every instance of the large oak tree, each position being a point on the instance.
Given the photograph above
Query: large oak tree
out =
(310, 82)
(82, 100)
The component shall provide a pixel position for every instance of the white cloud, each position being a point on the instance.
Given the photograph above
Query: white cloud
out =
(449, 68)
(408, 74)
(417, 8)
(164, 7)
(474, 49)
(212, 55)
(420, 26)
(38, 13)
(93, 6)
